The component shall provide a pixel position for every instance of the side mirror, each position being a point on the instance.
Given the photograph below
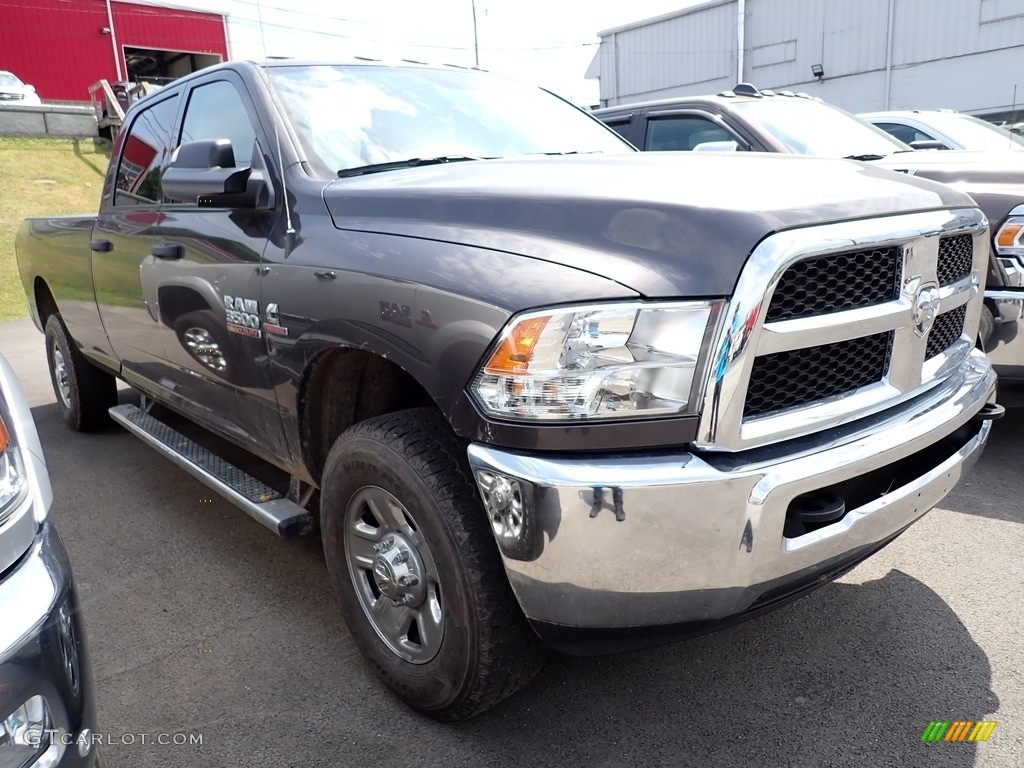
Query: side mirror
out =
(204, 173)
(928, 144)
(31, 88)
(716, 146)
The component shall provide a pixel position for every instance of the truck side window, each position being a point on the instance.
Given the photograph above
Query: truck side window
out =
(683, 133)
(138, 174)
(905, 133)
(216, 111)
(620, 126)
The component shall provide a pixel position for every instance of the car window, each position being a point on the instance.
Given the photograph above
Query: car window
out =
(905, 133)
(143, 154)
(216, 111)
(6, 78)
(683, 133)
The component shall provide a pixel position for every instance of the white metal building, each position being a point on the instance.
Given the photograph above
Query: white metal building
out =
(871, 54)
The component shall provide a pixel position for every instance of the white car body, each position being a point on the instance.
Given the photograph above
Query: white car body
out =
(14, 91)
(955, 130)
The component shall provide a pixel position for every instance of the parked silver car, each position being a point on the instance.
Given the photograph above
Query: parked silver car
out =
(14, 91)
(47, 714)
(945, 129)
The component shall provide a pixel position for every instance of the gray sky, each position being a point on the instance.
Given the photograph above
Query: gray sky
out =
(548, 42)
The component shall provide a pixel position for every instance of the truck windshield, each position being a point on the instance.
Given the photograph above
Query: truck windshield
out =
(806, 127)
(352, 116)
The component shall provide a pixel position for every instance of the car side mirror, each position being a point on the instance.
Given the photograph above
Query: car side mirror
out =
(204, 173)
(928, 144)
(716, 146)
(31, 88)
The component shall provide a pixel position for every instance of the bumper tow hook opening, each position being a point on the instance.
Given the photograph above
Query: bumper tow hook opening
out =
(817, 508)
(990, 412)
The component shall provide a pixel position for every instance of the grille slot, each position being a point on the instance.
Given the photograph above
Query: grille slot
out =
(947, 329)
(800, 376)
(956, 258)
(836, 282)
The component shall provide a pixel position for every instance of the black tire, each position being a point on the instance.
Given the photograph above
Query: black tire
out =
(222, 357)
(84, 392)
(487, 651)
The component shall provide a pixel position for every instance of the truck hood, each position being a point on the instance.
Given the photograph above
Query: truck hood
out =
(995, 180)
(663, 224)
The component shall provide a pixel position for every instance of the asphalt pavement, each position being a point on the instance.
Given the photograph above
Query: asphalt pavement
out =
(204, 627)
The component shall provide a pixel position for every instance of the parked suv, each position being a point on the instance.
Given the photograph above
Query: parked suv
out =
(746, 119)
(47, 717)
(945, 129)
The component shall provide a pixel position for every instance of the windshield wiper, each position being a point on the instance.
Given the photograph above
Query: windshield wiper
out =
(412, 162)
(864, 157)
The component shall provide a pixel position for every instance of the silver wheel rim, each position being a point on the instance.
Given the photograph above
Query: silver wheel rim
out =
(394, 575)
(60, 376)
(200, 343)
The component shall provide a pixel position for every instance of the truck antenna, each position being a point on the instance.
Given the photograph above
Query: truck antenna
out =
(289, 229)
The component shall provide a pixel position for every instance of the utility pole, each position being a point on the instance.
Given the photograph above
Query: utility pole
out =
(476, 42)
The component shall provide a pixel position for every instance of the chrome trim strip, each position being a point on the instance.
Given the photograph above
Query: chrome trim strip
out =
(745, 334)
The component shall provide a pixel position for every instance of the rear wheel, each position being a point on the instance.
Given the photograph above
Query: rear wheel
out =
(84, 392)
(416, 569)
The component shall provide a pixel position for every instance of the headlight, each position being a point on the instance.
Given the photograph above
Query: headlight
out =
(1010, 237)
(599, 362)
(12, 473)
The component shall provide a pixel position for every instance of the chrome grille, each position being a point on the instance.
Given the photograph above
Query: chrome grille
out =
(800, 376)
(789, 361)
(956, 258)
(836, 282)
(947, 329)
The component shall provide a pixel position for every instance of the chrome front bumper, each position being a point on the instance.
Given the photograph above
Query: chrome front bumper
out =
(630, 541)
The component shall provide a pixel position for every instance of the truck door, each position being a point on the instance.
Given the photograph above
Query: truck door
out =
(209, 293)
(125, 243)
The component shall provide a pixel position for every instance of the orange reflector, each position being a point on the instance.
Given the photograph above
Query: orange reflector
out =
(516, 349)
(1007, 237)
(4, 437)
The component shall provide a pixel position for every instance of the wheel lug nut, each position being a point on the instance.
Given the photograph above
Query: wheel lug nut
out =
(407, 598)
(402, 557)
(410, 580)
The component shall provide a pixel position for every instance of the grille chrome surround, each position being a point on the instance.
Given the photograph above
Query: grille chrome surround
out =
(746, 334)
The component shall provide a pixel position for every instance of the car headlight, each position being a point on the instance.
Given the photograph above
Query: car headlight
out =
(13, 482)
(1010, 237)
(598, 362)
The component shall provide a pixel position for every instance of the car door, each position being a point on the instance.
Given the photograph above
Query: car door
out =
(209, 291)
(125, 243)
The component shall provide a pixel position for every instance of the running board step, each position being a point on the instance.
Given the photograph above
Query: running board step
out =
(252, 496)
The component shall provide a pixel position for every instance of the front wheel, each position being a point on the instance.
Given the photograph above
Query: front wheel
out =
(416, 569)
(84, 392)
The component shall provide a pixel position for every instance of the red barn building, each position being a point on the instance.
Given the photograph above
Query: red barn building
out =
(64, 46)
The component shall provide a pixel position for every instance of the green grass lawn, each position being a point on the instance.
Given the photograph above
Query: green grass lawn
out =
(42, 177)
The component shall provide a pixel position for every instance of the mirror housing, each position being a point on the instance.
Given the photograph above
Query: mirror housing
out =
(928, 144)
(204, 173)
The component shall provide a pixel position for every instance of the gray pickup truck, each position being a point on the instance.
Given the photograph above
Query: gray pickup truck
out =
(528, 383)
